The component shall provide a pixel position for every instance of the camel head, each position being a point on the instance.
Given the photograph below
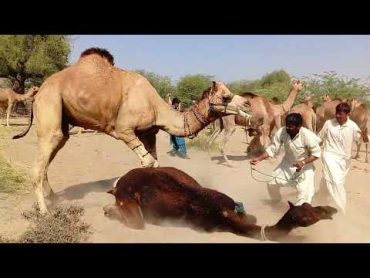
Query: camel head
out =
(32, 91)
(306, 215)
(298, 85)
(326, 97)
(224, 102)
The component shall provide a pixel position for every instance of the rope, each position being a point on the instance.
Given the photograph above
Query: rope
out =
(263, 233)
(294, 178)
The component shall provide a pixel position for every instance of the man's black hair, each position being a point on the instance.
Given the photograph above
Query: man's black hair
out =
(294, 119)
(343, 107)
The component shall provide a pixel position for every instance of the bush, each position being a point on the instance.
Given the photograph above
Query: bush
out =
(62, 225)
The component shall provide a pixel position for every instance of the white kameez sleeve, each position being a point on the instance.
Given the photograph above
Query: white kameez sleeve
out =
(312, 143)
(275, 146)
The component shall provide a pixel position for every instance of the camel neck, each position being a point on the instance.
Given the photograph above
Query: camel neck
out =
(288, 103)
(190, 122)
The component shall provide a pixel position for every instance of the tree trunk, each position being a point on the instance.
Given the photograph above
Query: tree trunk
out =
(18, 85)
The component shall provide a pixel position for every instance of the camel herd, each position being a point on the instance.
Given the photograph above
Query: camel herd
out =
(274, 113)
(94, 94)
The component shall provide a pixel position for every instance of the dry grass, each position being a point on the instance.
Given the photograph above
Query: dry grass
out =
(201, 141)
(12, 179)
(63, 224)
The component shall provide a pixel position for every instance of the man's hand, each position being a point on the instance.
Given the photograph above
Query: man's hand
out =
(298, 164)
(255, 161)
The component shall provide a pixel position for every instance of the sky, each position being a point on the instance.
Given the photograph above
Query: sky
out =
(234, 57)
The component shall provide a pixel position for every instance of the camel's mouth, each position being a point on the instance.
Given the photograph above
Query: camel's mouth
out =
(327, 212)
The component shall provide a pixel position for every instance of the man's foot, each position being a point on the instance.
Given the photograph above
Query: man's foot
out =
(172, 153)
(184, 156)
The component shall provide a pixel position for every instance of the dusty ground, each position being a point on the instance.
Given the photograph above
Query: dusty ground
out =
(86, 167)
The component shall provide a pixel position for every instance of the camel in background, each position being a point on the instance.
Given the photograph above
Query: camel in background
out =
(361, 116)
(94, 94)
(9, 98)
(307, 112)
(268, 109)
(166, 193)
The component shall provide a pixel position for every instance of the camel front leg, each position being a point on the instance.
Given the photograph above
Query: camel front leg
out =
(149, 141)
(132, 141)
(213, 136)
(225, 138)
(366, 159)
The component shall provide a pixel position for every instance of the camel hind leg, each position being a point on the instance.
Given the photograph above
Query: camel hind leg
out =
(46, 185)
(8, 111)
(52, 133)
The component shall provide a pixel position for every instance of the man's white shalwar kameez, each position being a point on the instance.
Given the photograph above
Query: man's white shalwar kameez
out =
(304, 144)
(336, 157)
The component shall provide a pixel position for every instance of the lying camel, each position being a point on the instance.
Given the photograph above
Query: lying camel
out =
(271, 113)
(94, 94)
(307, 112)
(166, 193)
(10, 98)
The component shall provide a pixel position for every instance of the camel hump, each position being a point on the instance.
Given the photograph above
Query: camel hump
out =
(98, 51)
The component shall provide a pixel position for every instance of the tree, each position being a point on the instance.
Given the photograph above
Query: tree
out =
(242, 86)
(162, 84)
(191, 87)
(337, 86)
(26, 58)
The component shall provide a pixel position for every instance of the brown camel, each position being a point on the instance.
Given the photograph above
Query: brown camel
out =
(166, 193)
(307, 112)
(360, 116)
(271, 113)
(10, 98)
(94, 94)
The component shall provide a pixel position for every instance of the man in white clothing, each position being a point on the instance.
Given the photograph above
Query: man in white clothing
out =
(296, 168)
(338, 135)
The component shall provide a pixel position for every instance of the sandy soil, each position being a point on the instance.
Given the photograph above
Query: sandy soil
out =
(88, 164)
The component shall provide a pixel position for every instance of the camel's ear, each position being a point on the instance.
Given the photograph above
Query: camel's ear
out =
(290, 204)
(214, 84)
(112, 191)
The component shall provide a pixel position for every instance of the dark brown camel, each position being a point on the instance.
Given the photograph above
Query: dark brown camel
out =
(144, 194)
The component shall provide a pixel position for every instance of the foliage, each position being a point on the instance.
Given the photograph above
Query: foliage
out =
(32, 57)
(162, 84)
(191, 87)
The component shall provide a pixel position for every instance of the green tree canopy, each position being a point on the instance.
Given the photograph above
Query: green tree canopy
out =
(162, 84)
(336, 86)
(32, 57)
(191, 87)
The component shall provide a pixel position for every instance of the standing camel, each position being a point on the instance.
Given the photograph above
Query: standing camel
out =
(307, 112)
(360, 116)
(10, 98)
(271, 113)
(94, 94)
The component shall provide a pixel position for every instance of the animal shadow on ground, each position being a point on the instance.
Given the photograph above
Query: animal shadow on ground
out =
(78, 191)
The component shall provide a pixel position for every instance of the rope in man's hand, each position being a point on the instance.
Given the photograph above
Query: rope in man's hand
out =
(296, 176)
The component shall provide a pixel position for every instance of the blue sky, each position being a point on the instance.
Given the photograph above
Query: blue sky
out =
(234, 57)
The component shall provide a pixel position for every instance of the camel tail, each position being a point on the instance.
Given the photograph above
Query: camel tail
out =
(28, 128)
